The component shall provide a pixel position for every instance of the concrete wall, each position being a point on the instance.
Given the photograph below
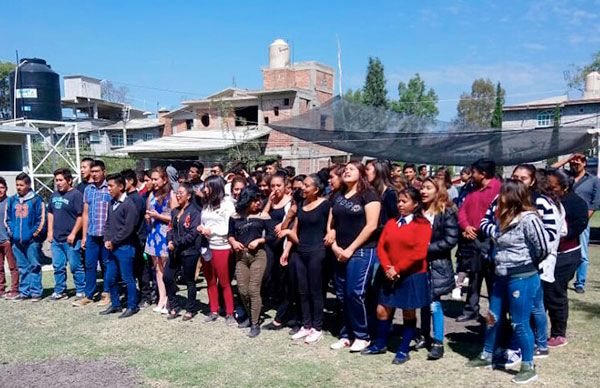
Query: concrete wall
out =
(576, 115)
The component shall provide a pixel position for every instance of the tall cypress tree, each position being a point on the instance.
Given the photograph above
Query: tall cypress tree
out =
(374, 91)
(497, 115)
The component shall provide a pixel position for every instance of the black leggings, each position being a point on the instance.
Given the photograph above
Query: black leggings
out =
(308, 268)
(188, 264)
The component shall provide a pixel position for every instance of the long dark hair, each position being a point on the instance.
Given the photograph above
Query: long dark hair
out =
(248, 195)
(564, 180)
(415, 196)
(362, 184)
(382, 175)
(216, 191)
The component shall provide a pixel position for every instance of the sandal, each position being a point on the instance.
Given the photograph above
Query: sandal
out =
(187, 316)
(173, 314)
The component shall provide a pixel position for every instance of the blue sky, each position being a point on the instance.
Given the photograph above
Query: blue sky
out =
(166, 51)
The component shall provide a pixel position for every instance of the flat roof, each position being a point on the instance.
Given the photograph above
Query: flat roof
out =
(17, 130)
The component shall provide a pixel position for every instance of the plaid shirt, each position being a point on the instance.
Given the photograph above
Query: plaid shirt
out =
(98, 200)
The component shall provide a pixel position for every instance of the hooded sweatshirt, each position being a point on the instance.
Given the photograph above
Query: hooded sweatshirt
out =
(25, 217)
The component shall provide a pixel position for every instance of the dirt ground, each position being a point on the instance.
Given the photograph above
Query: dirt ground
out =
(68, 373)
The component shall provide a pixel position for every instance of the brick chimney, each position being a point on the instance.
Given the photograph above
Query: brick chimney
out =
(167, 121)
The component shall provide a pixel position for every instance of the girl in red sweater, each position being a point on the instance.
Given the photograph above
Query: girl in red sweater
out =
(402, 252)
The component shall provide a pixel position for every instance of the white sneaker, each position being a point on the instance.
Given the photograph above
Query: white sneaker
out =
(457, 294)
(157, 309)
(465, 282)
(358, 345)
(342, 343)
(164, 311)
(314, 337)
(303, 332)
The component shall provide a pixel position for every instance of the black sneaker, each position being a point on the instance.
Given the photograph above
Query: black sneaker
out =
(294, 330)
(244, 324)
(580, 290)
(254, 331)
(127, 313)
(36, 298)
(436, 352)
(540, 353)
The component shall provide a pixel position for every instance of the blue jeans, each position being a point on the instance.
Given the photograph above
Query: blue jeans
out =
(61, 253)
(518, 293)
(352, 279)
(28, 257)
(120, 260)
(540, 320)
(437, 314)
(94, 251)
(584, 239)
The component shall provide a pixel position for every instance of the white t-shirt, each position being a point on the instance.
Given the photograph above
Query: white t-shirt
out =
(217, 220)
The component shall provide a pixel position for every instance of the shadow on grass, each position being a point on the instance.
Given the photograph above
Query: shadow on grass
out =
(591, 309)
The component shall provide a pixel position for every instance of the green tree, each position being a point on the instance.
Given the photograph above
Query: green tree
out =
(475, 108)
(5, 103)
(497, 114)
(354, 96)
(575, 76)
(374, 91)
(415, 100)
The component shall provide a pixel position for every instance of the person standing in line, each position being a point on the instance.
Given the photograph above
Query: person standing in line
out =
(248, 233)
(402, 250)
(184, 247)
(214, 225)
(423, 172)
(120, 240)
(440, 211)
(85, 171)
(6, 250)
(141, 268)
(64, 233)
(569, 256)
(443, 175)
(96, 200)
(308, 233)
(158, 215)
(26, 222)
(410, 173)
(466, 175)
(521, 243)
(353, 220)
(587, 187)
(473, 256)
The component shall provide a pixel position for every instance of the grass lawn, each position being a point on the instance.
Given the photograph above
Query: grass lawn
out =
(176, 353)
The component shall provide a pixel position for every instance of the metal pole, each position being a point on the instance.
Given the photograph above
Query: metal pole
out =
(30, 161)
(77, 156)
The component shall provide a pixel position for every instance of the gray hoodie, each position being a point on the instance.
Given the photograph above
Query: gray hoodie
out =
(522, 245)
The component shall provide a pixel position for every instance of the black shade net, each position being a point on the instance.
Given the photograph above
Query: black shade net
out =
(382, 133)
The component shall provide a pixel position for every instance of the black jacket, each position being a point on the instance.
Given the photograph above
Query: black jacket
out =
(183, 232)
(444, 237)
(121, 223)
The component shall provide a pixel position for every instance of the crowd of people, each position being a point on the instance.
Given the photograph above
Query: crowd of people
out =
(380, 234)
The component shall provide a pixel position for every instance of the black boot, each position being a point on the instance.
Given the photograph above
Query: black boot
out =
(111, 310)
(437, 351)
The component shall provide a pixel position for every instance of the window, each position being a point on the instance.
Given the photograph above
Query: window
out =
(116, 140)
(276, 110)
(205, 120)
(266, 120)
(545, 119)
(94, 137)
(286, 102)
(148, 136)
(189, 124)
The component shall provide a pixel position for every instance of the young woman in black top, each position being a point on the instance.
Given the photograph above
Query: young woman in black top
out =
(248, 233)
(353, 219)
(308, 233)
(275, 280)
(183, 245)
(378, 172)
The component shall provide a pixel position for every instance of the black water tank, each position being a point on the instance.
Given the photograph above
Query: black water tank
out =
(38, 91)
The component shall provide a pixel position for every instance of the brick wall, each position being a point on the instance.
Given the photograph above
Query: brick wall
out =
(277, 79)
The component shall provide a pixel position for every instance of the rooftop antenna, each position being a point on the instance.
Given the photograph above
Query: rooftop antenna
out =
(339, 60)
(233, 81)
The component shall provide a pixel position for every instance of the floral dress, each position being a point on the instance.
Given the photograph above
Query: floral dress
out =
(156, 243)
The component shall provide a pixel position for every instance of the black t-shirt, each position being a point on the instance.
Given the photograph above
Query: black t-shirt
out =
(349, 217)
(65, 207)
(81, 186)
(248, 229)
(312, 226)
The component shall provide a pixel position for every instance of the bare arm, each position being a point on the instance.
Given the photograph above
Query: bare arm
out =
(50, 235)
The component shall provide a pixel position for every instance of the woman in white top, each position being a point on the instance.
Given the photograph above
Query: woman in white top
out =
(214, 226)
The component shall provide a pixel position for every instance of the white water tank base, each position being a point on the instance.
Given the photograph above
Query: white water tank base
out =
(279, 54)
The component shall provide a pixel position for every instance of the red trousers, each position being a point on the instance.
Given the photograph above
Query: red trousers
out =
(218, 270)
(6, 252)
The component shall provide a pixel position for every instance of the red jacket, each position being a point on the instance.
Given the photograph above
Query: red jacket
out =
(405, 247)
